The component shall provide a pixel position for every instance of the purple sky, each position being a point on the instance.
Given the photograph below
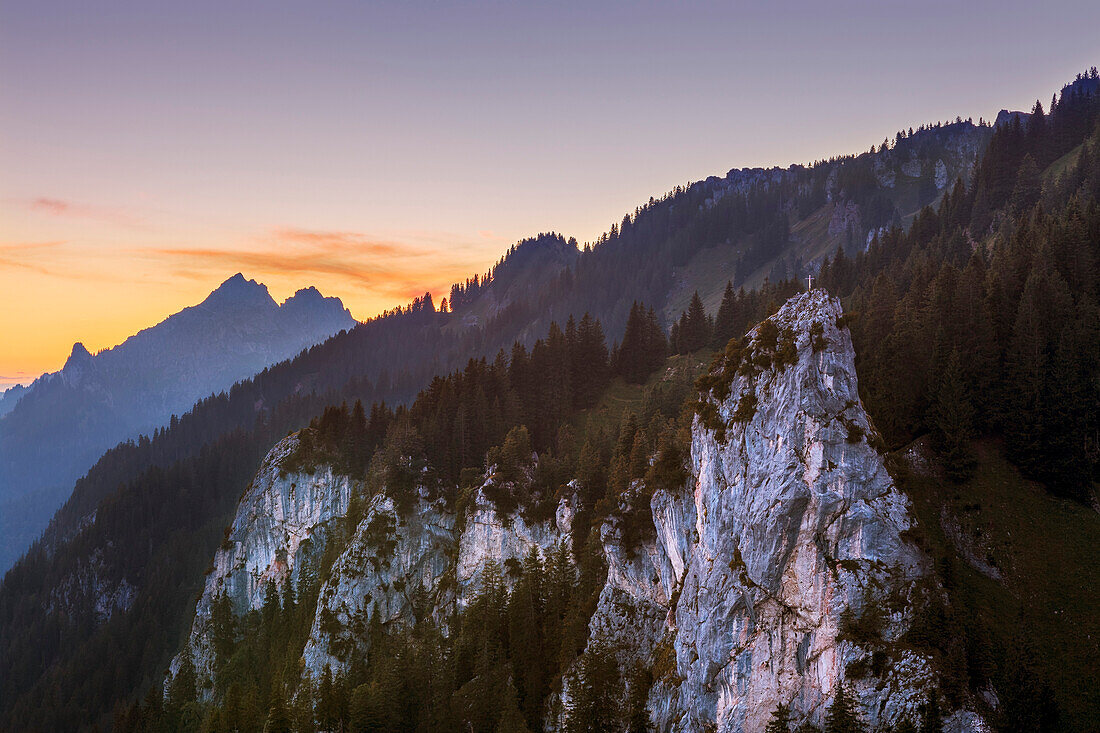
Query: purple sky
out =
(149, 149)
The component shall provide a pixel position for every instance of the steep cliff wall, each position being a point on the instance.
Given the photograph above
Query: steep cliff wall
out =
(392, 569)
(280, 528)
(792, 530)
(778, 572)
(797, 520)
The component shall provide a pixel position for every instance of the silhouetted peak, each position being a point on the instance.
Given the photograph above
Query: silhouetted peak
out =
(79, 359)
(543, 249)
(1005, 117)
(79, 354)
(1083, 84)
(311, 301)
(239, 290)
(306, 295)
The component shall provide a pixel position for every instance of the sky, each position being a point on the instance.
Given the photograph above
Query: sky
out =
(379, 150)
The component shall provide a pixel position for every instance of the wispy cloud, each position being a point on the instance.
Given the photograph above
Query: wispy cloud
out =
(51, 206)
(32, 256)
(57, 258)
(338, 242)
(387, 267)
(64, 208)
(491, 236)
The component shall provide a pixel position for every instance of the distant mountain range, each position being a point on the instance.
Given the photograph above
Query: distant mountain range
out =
(52, 431)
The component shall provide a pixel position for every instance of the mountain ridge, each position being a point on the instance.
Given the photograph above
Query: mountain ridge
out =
(976, 223)
(59, 424)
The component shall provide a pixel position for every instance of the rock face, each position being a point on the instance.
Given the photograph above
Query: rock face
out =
(754, 590)
(793, 522)
(485, 537)
(797, 519)
(391, 569)
(279, 532)
(396, 569)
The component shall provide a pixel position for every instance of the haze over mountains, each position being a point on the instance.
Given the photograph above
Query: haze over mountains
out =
(52, 431)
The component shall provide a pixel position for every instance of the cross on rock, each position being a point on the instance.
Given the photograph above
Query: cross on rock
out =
(809, 283)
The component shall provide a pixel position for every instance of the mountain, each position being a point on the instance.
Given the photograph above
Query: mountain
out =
(61, 423)
(9, 397)
(972, 323)
(786, 535)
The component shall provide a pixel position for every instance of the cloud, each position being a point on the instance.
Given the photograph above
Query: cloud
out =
(51, 206)
(63, 208)
(491, 235)
(56, 258)
(31, 256)
(385, 267)
(338, 242)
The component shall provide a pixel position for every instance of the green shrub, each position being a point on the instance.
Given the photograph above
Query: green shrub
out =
(787, 352)
(767, 336)
(866, 628)
(708, 415)
(817, 337)
(746, 408)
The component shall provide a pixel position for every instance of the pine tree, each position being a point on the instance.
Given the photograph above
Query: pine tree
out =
(182, 690)
(931, 719)
(642, 350)
(953, 422)
(843, 715)
(223, 633)
(364, 710)
(595, 692)
(1028, 186)
(780, 721)
(528, 681)
(694, 331)
(511, 719)
(727, 319)
(328, 704)
(655, 345)
(589, 362)
(278, 717)
(302, 710)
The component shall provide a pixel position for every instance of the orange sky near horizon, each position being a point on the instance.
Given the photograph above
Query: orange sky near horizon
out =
(70, 287)
(149, 151)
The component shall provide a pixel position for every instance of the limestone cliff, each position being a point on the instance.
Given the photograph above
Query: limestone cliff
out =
(391, 569)
(280, 529)
(781, 569)
(795, 526)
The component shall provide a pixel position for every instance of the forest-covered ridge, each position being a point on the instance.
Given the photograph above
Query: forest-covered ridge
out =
(1003, 270)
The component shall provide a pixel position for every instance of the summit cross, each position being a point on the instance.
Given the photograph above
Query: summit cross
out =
(809, 283)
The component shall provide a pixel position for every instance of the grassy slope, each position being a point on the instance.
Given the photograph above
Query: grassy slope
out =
(667, 387)
(1060, 167)
(1048, 551)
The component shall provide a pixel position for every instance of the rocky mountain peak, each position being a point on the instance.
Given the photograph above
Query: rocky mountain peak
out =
(77, 366)
(310, 302)
(798, 528)
(238, 291)
(79, 355)
(306, 295)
